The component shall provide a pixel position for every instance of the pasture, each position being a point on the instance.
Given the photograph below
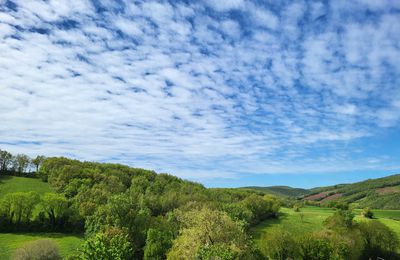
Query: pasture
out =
(10, 184)
(68, 244)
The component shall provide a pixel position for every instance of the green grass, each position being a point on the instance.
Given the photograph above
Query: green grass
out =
(67, 243)
(313, 218)
(9, 184)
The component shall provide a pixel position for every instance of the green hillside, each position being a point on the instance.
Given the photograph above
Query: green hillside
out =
(381, 193)
(282, 191)
(10, 184)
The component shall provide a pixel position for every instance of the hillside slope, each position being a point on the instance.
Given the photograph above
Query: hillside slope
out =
(9, 184)
(381, 193)
(281, 191)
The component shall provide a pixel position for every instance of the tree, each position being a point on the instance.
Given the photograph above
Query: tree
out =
(112, 244)
(37, 161)
(203, 227)
(18, 207)
(5, 160)
(220, 252)
(21, 163)
(43, 249)
(55, 207)
(157, 244)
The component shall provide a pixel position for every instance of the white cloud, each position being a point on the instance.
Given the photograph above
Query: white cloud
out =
(193, 92)
(225, 5)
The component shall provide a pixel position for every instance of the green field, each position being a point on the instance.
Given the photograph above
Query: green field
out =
(313, 218)
(10, 184)
(68, 244)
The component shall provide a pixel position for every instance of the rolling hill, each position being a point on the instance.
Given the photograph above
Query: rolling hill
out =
(280, 191)
(380, 193)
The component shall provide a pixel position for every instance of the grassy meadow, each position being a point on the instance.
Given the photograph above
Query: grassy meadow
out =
(10, 242)
(311, 219)
(10, 184)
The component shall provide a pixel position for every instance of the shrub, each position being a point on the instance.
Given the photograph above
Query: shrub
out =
(110, 245)
(315, 248)
(340, 220)
(380, 240)
(43, 249)
(367, 212)
(279, 245)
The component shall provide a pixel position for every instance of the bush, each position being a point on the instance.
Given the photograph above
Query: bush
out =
(279, 245)
(380, 240)
(340, 220)
(367, 212)
(110, 245)
(329, 245)
(43, 249)
(315, 248)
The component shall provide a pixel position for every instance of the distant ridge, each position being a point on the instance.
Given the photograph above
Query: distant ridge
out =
(281, 191)
(380, 193)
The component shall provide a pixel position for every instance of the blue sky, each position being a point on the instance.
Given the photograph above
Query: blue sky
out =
(226, 93)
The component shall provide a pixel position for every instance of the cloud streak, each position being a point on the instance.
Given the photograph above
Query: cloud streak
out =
(203, 90)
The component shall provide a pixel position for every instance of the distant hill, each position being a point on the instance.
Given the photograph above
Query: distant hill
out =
(281, 191)
(380, 193)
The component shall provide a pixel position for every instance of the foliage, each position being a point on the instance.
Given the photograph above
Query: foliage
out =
(55, 207)
(279, 245)
(206, 227)
(158, 243)
(367, 212)
(220, 252)
(340, 220)
(111, 245)
(17, 208)
(43, 249)
(379, 240)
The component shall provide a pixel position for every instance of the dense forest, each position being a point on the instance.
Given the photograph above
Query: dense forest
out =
(133, 213)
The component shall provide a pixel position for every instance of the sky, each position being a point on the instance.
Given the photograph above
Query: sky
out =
(226, 93)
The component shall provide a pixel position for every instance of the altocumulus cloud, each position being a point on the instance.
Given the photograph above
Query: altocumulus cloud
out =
(212, 89)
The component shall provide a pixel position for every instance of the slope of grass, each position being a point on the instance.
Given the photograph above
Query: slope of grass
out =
(68, 244)
(313, 218)
(10, 184)
(381, 193)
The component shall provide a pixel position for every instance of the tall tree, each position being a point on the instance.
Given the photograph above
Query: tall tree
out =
(56, 207)
(37, 161)
(21, 163)
(5, 160)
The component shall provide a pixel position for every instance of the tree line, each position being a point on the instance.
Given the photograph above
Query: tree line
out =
(19, 164)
